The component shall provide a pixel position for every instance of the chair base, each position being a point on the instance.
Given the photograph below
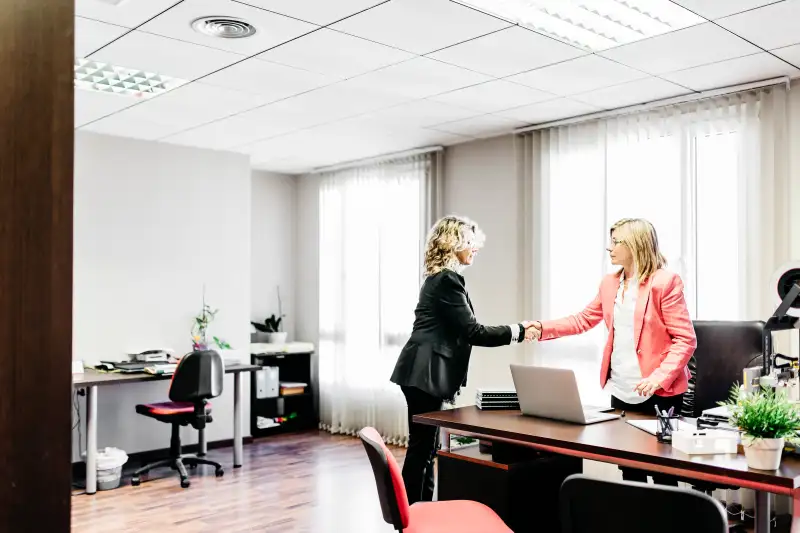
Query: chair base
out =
(179, 464)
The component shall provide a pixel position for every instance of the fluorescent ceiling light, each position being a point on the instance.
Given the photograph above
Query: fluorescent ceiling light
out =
(102, 77)
(592, 24)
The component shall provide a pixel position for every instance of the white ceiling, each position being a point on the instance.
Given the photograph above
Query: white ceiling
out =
(323, 81)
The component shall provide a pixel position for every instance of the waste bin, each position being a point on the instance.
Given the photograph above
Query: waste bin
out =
(109, 468)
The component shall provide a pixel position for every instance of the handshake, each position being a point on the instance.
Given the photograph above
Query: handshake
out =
(533, 330)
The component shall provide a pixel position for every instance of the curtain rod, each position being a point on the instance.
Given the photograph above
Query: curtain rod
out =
(377, 159)
(702, 95)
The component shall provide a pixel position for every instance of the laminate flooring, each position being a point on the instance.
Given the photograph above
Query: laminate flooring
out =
(311, 482)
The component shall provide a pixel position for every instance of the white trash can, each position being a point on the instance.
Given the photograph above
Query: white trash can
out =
(109, 468)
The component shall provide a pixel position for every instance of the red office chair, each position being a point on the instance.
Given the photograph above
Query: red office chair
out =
(197, 378)
(423, 517)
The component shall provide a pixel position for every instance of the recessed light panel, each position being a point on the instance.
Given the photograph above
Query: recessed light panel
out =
(106, 78)
(592, 24)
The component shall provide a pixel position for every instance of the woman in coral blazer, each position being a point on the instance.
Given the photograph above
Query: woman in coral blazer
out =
(650, 334)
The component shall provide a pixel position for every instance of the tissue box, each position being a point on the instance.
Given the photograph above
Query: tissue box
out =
(705, 441)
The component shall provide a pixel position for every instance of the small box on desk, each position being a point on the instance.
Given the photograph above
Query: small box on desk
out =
(520, 484)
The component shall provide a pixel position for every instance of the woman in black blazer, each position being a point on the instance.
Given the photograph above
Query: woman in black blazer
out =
(433, 364)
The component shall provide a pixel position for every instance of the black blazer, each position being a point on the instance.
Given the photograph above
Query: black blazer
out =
(436, 357)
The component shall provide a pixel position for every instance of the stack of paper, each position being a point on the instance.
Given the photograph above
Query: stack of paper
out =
(486, 399)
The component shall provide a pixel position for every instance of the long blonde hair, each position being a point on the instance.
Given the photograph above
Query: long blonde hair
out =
(449, 235)
(640, 237)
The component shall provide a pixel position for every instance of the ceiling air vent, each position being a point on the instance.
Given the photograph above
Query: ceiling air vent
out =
(225, 27)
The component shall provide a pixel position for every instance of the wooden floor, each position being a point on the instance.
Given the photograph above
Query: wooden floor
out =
(311, 482)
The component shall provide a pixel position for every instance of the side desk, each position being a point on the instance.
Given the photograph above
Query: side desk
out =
(92, 380)
(620, 443)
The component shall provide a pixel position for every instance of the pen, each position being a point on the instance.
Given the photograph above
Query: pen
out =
(671, 410)
(658, 411)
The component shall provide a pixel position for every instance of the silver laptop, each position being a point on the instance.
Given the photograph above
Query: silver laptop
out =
(553, 393)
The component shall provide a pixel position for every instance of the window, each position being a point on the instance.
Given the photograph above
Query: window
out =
(369, 227)
(684, 181)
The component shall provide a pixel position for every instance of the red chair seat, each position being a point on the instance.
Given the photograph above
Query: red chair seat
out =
(454, 515)
(168, 408)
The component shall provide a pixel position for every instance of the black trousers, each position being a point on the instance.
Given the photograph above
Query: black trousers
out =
(418, 470)
(648, 407)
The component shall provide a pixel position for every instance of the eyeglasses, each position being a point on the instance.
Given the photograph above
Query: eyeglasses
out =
(615, 242)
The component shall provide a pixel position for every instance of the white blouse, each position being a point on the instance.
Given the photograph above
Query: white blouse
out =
(625, 371)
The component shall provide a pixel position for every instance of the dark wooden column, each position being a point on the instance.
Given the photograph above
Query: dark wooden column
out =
(36, 152)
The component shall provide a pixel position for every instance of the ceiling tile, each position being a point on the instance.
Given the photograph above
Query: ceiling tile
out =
(226, 133)
(493, 96)
(193, 105)
(320, 12)
(91, 35)
(128, 14)
(746, 69)
(420, 114)
(122, 125)
(578, 75)
(335, 54)
(271, 80)
(507, 52)
(714, 9)
(772, 26)
(635, 92)
(92, 105)
(789, 53)
(481, 126)
(419, 78)
(691, 47)
(549, 111)
(420, 26)
(271, 29)
(154, 53)
(327, 104)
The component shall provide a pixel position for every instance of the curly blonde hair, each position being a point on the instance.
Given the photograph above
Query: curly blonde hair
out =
(449, 235)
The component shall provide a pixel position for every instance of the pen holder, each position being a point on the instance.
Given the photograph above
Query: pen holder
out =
(665, 425)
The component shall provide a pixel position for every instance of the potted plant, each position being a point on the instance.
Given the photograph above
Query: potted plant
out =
(768, 420)
(200, 326)
(270, 329)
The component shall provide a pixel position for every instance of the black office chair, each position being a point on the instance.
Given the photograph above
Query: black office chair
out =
(724, 350)
(590, 505)
(197, 378)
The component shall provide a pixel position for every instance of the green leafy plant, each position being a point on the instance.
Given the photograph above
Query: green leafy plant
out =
(764, 414)
(221, 344)
(271, 325)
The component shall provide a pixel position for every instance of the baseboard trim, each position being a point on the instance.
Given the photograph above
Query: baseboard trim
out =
(135, 460)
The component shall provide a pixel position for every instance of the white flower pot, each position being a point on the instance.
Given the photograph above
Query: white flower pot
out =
(278, 337)
(762, 454)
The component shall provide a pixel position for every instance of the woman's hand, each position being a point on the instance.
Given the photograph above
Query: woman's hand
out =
(533, 330)
(647, 387)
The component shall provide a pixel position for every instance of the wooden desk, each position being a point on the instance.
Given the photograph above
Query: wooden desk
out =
(91, 380)
(620, 443)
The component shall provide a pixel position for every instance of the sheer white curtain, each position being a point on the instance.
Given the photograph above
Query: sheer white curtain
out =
(711, 177)
(370, 227)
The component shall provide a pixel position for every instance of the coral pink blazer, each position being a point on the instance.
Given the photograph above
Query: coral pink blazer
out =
(663, 332)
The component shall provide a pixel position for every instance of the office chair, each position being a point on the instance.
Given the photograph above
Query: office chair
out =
(589, 505)
(724, 349)
(197, 378)
(422, 517)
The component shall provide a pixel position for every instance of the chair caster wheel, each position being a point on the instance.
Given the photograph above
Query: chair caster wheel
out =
(185, 483)
(135, 481)
(219, 472)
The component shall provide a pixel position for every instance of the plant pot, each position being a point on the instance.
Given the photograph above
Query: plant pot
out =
(259, 337)
(278, 337)
(762, 454)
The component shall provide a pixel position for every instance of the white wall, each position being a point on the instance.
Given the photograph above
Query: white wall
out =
(482, 183)
(273, 238)
(154, 223)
